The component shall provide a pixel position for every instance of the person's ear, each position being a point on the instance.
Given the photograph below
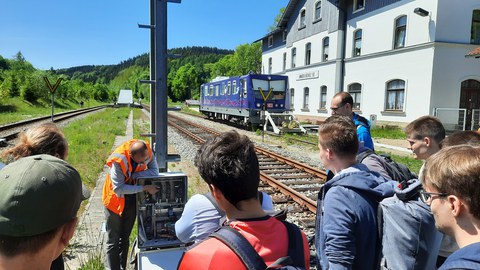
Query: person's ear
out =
(65, 234)
(217, 193)
(427, 141)
(457, 207)
(330, 153)
(68, 231)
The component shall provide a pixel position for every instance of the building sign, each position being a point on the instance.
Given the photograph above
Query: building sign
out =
(307, 75)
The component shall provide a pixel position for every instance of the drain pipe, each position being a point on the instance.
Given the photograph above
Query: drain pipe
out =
(341, 49)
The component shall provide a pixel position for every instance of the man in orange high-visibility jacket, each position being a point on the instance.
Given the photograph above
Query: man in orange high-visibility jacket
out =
(131, 160)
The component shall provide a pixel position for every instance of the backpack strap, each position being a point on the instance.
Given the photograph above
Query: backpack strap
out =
(364, 154)
(295, 248)
(238, 244)
(215, 204)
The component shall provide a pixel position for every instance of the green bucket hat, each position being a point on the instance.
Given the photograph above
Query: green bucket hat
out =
(38, 194)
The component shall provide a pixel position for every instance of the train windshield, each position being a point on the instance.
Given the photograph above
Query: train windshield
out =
(278, 89)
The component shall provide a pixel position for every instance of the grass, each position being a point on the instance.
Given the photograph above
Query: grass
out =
(17, 109)
(190, 110)
(413, 164)
(387, 132)
(90, 141)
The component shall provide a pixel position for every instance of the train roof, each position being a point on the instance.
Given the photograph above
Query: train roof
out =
(225, 78)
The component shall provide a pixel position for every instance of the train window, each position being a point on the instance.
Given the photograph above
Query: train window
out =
(210, 90)
(234, 86)
(224, 89)
(217, 87)
(205, 90)
(229, 88)
(243, 82)
(278, 91)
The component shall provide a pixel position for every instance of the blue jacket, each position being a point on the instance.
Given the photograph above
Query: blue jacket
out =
(464, 258)
(363, 130)
(346, 224)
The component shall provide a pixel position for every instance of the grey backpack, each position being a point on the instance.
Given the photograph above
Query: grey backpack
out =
(407, 230)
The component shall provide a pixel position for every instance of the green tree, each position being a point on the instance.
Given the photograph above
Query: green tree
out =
(276, 20)
(184, 82)
(248, 58)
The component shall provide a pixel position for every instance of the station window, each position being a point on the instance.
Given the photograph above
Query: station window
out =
(284, 66)
(302, 19)
(234, 86)
(318, 10)
(294, 56)
(292, 98)
(308, 53)
(400, 32)
(357, 42)
(306, 96)
(475, 32)
(270, 65)
(358, 4)
(323, 98)
(270, 41)
(355, 90)
(326, 45)
(395, 95)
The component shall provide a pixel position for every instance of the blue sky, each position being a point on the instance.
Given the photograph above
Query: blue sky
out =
(59, 34)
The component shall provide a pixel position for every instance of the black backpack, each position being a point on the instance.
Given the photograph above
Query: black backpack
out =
(250, 258)
(397, 171)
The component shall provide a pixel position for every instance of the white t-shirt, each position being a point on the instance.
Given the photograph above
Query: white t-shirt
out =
(200, 218)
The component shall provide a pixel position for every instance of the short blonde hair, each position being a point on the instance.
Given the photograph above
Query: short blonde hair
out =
(455, 171)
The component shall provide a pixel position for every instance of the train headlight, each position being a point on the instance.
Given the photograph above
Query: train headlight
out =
(276, 105)
(258, 105)
(281, 105)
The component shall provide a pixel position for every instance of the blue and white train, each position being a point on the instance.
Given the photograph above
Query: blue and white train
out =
(241, 99)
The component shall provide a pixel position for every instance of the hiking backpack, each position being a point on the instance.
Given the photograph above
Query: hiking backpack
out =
(250, 258)
(397, 171)
(406, 227)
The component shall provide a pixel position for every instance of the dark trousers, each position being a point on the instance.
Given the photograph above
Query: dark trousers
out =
(118, 231)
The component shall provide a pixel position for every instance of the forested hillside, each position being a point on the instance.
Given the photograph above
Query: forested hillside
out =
(191, 67)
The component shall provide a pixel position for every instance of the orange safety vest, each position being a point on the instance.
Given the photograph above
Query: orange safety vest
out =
(121, 156)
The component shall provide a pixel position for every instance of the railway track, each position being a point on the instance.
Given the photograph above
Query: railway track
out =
(291, 177)
(10, 131)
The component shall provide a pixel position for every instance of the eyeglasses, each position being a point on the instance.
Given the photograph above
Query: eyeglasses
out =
(335, 109)
(427, 197)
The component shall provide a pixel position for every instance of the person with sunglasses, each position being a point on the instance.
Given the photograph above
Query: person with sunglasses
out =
(452, 190)
(342, 104)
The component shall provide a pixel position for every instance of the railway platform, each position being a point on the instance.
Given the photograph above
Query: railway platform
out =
(90, 236)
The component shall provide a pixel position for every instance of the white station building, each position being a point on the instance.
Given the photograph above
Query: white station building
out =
(399, 59)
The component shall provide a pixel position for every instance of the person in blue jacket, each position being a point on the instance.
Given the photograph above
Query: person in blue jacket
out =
(452, 190)
(342, 104)
(346, 223)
